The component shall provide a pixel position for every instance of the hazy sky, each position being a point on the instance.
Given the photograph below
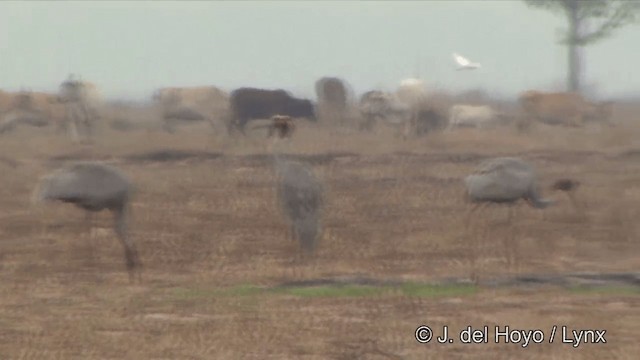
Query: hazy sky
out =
(130, 48)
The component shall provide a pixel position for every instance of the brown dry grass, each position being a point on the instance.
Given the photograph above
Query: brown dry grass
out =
(394, 210)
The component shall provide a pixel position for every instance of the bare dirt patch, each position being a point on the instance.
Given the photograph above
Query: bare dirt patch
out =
(208, 230)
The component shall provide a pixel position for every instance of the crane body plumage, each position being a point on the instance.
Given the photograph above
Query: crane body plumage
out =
(504, 180)
(300, 195)
(94, 186)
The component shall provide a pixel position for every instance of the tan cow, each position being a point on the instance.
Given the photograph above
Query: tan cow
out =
(205, 96)
(26, 100)
(6, 101)
(192, 103)
(563, 108)
(36, 107)
(84, 93)
(76, 104)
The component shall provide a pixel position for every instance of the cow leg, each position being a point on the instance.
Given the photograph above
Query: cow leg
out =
(88, 121)
(240, 126)
(407, 129)
(216, 126)
(73, 131)
(60, 125)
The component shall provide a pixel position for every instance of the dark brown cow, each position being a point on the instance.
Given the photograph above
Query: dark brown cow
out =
(249, 103)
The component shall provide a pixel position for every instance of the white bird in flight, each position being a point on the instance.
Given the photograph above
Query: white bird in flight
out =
(464, 63)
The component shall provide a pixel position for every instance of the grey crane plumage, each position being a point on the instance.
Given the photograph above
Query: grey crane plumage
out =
(300, 194)
(94, 186)
(504, 180)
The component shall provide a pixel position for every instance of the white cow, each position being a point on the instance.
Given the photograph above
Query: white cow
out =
(411, 92)
(377, 106)
(480, 117)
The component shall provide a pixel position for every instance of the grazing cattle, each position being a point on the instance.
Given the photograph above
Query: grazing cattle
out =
(333, 92)
(424, 114)
(188, 104)
(282, 125)
(564, 108)
(249, 103)
(376, 106)
(208, 97)
(42, 103)
(480, 117)
(335, 99)
(428, 119)
(84, 93)
(15, 118)
(30, 108)
(601, 112)
(83, 106)
(38, 102)
(76, 104)
(412, 92)
(6, 99)
(418, 118)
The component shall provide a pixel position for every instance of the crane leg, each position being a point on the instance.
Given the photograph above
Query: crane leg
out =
(89, 221)
(510, 240)
(578, 207)
(293, 233)
(511, 213)
(474, 249)
(132, 260)
(473, 209)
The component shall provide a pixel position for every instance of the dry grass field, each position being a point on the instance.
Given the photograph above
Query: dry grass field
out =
(216, 251)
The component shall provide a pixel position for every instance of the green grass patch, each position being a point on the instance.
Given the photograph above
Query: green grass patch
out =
(233, 291)
(333, 291)
(323, 291)
(429, 290)
(606, 290)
